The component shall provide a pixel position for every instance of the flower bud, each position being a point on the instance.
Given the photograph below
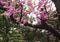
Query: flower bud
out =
(21, 25)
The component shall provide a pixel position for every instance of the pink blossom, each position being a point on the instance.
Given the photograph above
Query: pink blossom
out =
(40, 4)
(11, 10)
(32, 11)
(25, 13)
(43, 15)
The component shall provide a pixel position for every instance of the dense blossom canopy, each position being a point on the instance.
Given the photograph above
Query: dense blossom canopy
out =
(33, 11)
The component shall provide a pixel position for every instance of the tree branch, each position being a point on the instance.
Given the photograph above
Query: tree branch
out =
(47, 27)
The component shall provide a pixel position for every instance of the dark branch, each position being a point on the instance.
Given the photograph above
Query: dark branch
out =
(21, 12)
(47, 27)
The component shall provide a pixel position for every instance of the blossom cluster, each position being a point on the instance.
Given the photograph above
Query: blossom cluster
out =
(33, 11)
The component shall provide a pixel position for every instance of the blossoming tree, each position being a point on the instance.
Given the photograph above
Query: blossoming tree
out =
(33, 13)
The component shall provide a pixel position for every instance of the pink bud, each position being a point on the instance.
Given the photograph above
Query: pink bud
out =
(17, 19)
(7, 15)
(50, 25)
(24, 21)
(38, 21)
(23, 2)
(21, 25)
(29, 3)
